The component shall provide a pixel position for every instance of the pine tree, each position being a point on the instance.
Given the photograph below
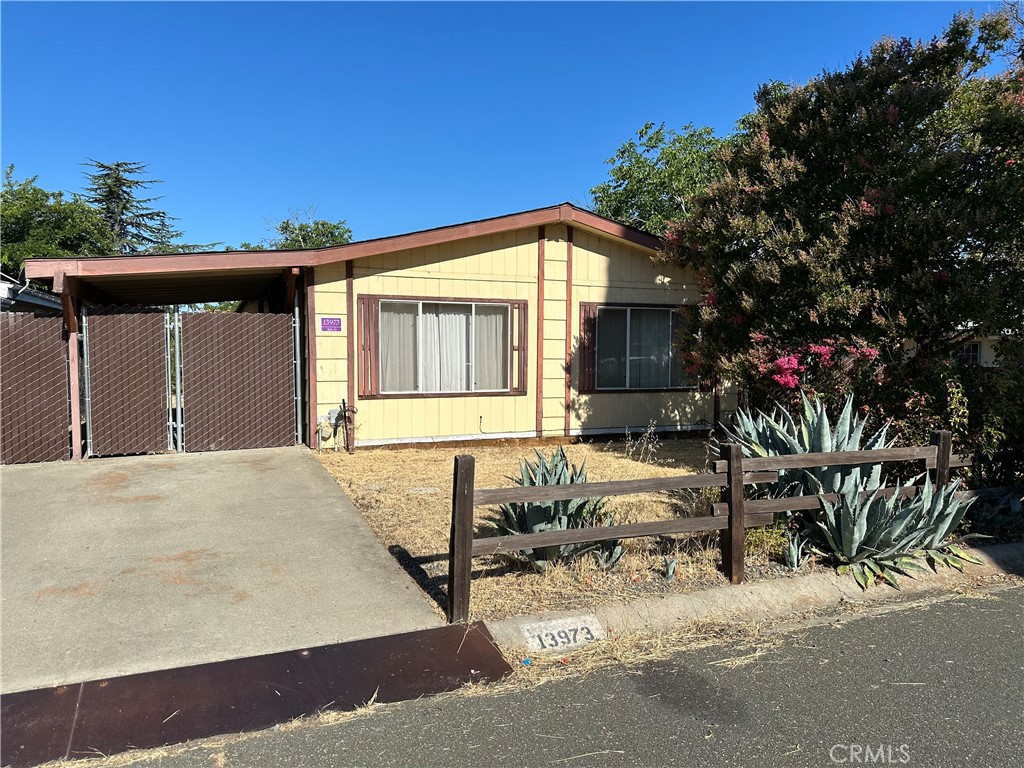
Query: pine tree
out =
(114, 188)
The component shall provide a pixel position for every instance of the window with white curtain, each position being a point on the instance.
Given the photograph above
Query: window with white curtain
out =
(634, 349)
(434, 347)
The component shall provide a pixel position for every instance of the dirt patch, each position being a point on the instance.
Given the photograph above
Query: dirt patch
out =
(194, 569)
(82, 589)
(189, 558)
(387, 487)
(110, 481)
(260, 465)
(115, 481)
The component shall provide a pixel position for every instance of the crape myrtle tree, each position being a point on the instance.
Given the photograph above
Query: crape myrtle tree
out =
(867, 224)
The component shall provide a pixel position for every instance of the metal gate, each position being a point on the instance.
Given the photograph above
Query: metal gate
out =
(34, 402)
(238, 383)
(126, 381)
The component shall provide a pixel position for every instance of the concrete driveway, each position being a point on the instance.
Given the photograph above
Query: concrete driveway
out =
(117, 566)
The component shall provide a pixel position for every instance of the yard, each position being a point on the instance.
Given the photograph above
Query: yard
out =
(405, 494)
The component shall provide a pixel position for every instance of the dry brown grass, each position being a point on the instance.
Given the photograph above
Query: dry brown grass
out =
(745, 641)
(405, 494)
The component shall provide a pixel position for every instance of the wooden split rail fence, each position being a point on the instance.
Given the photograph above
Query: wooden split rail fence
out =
(732, 515)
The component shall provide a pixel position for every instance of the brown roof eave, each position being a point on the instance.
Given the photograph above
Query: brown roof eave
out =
(46, 269)
(566, 213)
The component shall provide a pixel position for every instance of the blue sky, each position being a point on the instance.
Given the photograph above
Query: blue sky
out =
(394, 116)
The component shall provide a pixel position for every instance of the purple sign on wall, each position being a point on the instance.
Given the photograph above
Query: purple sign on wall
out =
(330, 324)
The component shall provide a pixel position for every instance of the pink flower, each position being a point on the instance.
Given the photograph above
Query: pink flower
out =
(787, 363)
(1011, 161)
(710, 299)
(786, 380)
(867, 208)
(757, 337)
(738, 320)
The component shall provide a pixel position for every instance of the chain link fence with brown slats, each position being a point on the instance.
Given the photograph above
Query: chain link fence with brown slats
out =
(126, 369)
(34, 404)
(238, 381)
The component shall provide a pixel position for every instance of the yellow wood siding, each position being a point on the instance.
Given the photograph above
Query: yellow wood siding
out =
(505, 266)
(606, 271)
(501, 266)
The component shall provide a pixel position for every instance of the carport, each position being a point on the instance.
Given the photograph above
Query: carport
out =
(233, 543)
(141, 378)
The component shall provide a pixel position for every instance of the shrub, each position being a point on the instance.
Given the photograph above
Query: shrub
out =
(536, 517)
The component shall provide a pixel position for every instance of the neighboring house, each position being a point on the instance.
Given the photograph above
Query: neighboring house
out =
(551, 322)
(20, 297)
(981, 351)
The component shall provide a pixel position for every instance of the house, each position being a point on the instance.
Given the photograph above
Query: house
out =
(553, 322)
(983, 350)
(17, 296)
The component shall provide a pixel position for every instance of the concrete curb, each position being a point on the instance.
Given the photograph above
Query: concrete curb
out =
(777, 598)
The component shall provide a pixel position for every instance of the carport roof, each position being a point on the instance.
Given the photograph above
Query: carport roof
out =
(186, 278)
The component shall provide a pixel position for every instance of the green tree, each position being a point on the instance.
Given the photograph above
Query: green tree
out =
(114, 189)
(36, 223)
(652, 176)
(302, 230)
(873, 210)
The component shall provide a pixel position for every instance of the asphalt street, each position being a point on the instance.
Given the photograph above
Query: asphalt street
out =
(936, 684)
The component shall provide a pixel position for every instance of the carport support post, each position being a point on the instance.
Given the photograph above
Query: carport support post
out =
(71, 322)
(460, 543)
(733, 539)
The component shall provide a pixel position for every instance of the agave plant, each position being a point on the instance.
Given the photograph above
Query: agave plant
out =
(762, 435)
(942, 511)
(875, 538)
(796, 554)
(564, 514)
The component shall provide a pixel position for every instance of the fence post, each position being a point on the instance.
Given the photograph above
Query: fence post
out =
(460, 544)
(943, 439)
(733, 539)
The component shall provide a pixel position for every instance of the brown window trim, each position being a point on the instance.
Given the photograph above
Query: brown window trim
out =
(638, 391)
(369, 348)
(588, 350)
